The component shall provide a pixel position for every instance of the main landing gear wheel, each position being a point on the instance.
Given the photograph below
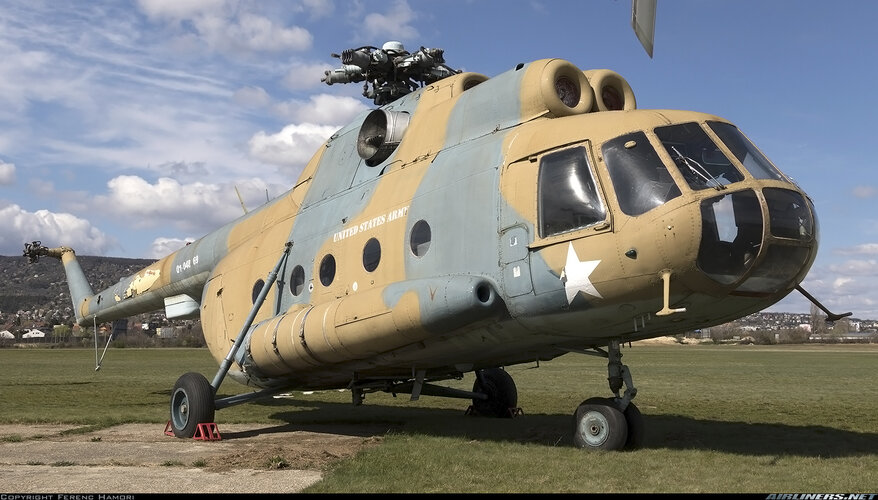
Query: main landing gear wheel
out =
(191, 404)
(500, 389)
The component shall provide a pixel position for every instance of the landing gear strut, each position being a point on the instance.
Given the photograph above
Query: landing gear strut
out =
(192, 400)
(610, 423)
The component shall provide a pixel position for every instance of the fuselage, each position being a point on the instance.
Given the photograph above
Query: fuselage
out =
(485, 222)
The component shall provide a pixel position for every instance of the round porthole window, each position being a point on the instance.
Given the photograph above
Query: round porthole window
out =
(297, 280)
(371, 254)
(420, 238)
(257, 287)
(327, 270)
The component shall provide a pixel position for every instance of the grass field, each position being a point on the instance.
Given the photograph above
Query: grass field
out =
(719, 419)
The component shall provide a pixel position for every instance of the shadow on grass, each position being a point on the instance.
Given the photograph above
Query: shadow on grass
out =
(662, 431)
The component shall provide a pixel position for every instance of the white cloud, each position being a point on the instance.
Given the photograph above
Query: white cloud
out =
(302, 76)
(162, 247)
(865, 191)
(251, 32)
(395, 24)
(7, 173)
(252, 97)
(319, 8)
(227, 27)
(18, 226)
(856, 268)
(291, 147)
(864, 249)
(178, 10)
(322, 109)
(41, 187)
(198, 207)
(34, 68)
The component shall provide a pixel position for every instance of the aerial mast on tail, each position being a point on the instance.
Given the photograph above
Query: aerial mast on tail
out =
(389, 72)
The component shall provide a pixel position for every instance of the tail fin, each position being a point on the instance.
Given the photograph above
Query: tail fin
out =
(80, 290)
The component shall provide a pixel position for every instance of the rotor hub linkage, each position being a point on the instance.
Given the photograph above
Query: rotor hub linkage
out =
(389, 72)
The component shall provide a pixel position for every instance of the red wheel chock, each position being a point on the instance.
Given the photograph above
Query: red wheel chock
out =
(203, 432)
(207, 432)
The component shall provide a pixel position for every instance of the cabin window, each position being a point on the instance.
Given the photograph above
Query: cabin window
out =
(371, 254)
(568, 197)
(700, 161)
(257, 287)
(753, 160)
(297, 280)
(640, 178)
(420, 238)
(327, 270)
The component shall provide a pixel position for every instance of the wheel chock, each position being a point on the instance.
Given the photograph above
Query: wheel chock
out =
(203, 432)
(207, 432)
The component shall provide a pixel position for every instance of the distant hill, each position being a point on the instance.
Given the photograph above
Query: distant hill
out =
(43, 285)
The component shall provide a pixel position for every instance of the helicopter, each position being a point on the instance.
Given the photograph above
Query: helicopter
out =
(469, 223)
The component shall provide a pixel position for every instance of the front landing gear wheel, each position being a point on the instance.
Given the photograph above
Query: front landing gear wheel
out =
(191, 404)
(599, 425)
(500, 389)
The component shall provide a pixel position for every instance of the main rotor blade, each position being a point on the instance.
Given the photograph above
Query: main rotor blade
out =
(643, 22)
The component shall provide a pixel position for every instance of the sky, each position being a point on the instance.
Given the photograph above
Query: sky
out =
(129, 128)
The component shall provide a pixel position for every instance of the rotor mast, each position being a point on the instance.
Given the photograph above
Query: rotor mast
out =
(389, 72)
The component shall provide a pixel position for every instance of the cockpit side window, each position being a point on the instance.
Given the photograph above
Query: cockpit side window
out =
(568, 196)
(701, 162)
(753, 160)
(642, 182)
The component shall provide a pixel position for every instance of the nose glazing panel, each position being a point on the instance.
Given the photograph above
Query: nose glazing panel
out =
(731, 235)
(731, 240)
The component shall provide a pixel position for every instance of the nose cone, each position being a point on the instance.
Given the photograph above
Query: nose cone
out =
(757, 245)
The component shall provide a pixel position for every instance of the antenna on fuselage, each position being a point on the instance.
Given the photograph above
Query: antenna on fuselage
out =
(241, 199)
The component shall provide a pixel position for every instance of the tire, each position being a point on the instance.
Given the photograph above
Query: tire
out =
(599, 425)
(191, 404)
(500, 389)
(636, 428)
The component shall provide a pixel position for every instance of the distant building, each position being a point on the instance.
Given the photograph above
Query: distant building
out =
(845, 337)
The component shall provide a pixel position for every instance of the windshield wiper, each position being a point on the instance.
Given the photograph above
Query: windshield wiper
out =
(700, 171)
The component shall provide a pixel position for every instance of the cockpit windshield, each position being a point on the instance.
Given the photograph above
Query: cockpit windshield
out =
(744, 150)
(700, 161)
(641, 180)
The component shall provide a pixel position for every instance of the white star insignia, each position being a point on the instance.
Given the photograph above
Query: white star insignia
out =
(575, 275)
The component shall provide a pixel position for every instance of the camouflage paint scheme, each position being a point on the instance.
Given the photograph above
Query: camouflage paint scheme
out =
(489, 290)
